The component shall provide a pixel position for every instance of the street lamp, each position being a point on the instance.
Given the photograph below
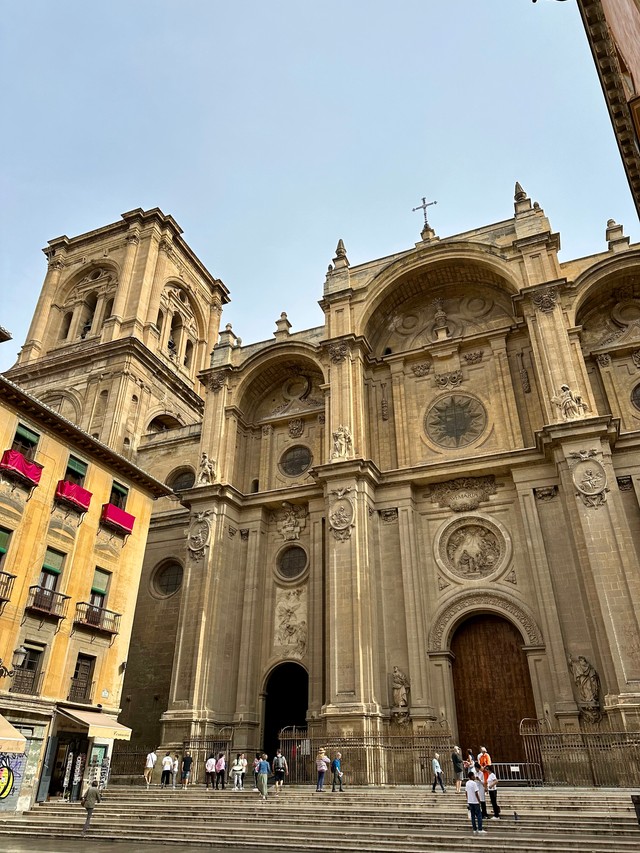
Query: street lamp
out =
(19, 656)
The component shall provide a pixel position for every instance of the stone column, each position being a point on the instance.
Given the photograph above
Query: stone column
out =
(124, 284)
(33, 345)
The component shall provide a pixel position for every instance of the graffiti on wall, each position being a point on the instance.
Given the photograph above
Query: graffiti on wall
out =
(12, 767)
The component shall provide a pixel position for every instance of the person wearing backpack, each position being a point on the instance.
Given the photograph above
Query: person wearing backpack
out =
(279, 769)
(336, 769)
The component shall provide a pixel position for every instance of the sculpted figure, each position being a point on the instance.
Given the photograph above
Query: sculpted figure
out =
(400, 688)
(586, 679)
(570, 404)
(342, 443)
(206, 471)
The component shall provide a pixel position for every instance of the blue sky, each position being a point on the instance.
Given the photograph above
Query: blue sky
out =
(271, 129)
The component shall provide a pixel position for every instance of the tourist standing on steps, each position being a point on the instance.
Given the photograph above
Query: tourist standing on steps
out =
(484, 759)
(243, 762)
(322, 765)
(89, 802)
(263, 776)
(175, 769)
(256, 763)
(187, 761)
(210, 771)
(482, 787)
(336, 769)
(492, 788)
(167, 765)
(221, 770)
(458, 767)
(150, 763)
(236, 772)
(437, 774)
(280, 767)
(469, 761)
(473, 804)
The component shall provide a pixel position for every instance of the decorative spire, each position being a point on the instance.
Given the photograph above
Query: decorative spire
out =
(341, 259)
(522, 202)
(519, 194)
(282, 327)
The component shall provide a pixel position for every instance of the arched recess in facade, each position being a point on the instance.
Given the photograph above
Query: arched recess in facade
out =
(280, 405)
(285, 694)
(97, 279)
(416, 278)
(457, 610)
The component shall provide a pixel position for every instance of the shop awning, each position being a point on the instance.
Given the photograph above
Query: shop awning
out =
(10, 738)
(99, 725)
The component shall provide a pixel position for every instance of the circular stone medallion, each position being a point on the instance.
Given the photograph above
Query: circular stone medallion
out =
(473, 547)
(456, 420)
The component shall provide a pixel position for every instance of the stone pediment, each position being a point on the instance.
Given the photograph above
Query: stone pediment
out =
(295, 407)
(625, 337)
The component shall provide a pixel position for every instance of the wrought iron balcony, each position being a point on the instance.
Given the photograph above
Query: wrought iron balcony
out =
(46, 602)
(15, 464)
(73, 495)
(6, 585)
(117, 519)
(26, 681)
(80, 690)
(91, 616)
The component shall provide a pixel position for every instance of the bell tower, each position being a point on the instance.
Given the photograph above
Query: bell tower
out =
(125, 322)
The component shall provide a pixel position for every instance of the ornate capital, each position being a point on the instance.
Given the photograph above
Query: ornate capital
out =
(216, 382)
(421, 369)
(545, 300)
(338, 352)
(473, 357)
(453, 379)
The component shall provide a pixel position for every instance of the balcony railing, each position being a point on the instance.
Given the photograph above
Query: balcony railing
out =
(91, 616)
(80, 690)
(116, 518)
(6, 585)
(47, 602)
(15, 464)
(73, 494)
(26, 681)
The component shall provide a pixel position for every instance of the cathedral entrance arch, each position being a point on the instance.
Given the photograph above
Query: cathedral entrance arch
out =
(492, 686)
(286, 702)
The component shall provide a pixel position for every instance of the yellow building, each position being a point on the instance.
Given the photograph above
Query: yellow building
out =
(74, 517)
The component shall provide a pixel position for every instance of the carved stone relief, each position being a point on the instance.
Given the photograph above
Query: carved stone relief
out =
(473, 357)
(291, 521)
(342, 443)
(389, 516)
(216, 382)
(604, 359)
(635, 358)
(453, 379)
(199, 534)
(296, 427)
(472, 547)
(341, 515)
(545, 300)
(384, 403)
(421, 369)
(569, 404)
(589, 478)
(625, 484)
(587, 682)
(546, 493)
(290, 622)
(455, 421)
(464, 493)
(338, 352)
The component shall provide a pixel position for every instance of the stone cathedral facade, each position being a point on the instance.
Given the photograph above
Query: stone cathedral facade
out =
(434, 494)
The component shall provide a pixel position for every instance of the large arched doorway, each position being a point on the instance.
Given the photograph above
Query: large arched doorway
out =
(286, 702)
(492, 686)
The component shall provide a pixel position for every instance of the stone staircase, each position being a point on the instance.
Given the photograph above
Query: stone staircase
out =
(362, 820)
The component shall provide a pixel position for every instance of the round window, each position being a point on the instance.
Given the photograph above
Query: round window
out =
(455, 421)
(168, 579)
(635, 396)
(292, 562)
(181, 480)
(295, 461)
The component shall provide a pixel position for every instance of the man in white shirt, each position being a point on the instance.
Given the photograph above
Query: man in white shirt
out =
(167, 766)
(473, 804)
(492, 788)
(149, 765)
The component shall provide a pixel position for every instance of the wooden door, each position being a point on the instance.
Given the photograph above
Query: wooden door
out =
(492, 687)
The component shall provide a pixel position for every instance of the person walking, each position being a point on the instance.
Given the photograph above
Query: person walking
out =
(322, 765)
(492, 788)
(280, 768)
(150, 763)
(336, 769)
(210, 772)
(187, 761)
(221, 770)
(89, 801)
(243, 762)
(263, 775)
(473, 804)
(437, 774)
(167, 765)
(236, 772)
(175, 767)
(458, 767)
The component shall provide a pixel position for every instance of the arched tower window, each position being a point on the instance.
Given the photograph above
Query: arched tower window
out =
(188, 354)
(175, 335)
(65, 325)
(88, 312)
(108, 309)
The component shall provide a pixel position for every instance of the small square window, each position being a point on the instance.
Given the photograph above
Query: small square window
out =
(118, 495)
(25, 441)
(76, 471)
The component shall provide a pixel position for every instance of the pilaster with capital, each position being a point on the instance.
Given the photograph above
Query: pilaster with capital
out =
(124, 285)
(556, 360)
(39, 323)
(215, 422)
(604, 546)
(346, 402)
(504, 385)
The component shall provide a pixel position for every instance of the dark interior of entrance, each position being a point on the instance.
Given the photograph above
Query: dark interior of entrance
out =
(287, 699)
(492, 687)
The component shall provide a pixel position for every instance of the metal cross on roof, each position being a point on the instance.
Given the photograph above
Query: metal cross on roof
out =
(423, 207)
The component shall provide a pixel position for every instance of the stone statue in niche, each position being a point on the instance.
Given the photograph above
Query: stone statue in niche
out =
(206, 471)
(570, 404)
(401, 686)
(587, 681)
(342, 443)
